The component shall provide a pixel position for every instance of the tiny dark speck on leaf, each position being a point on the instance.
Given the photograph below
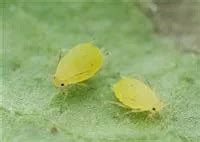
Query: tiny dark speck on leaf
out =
(16, 66)
(188, 79)
(54, 130)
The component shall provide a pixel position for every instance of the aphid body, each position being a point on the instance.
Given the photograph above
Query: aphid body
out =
(136, 95)
(79, 64)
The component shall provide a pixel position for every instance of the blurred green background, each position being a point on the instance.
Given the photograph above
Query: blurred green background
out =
(156, 40)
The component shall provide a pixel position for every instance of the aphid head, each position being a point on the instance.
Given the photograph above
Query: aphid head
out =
(157, 107)
(58, 83)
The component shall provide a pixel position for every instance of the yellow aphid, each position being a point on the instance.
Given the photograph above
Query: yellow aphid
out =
(136, 95)
(79, 64)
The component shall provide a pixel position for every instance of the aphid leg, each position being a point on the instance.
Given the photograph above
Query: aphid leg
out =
(139, 77)
(151, 115)
(149, 83)
(144, 80)
(60, 55)
(105, 52)
(82, 84)
(117, 103)
(131, 111)
(62, 91)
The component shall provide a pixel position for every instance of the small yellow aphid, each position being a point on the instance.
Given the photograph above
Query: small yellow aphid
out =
(134, 94)
(79, 64)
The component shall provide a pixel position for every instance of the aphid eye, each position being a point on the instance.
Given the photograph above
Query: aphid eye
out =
(154, 109)
(62, 84)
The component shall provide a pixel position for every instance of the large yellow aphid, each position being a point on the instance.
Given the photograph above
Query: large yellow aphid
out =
(134, 94)
(79, 64)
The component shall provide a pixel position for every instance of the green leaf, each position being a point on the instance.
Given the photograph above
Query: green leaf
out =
(33, 110)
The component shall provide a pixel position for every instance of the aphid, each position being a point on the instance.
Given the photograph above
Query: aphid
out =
(134, 94)
(79, 64)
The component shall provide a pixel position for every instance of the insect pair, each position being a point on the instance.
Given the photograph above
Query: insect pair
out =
(85, 60)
